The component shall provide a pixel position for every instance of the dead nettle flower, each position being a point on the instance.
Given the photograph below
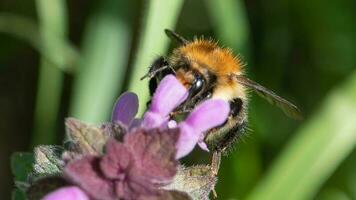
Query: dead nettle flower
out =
(128, 170)
(147, 158)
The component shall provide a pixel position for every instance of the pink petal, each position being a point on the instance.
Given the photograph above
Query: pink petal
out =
(67, 193)
(125, 108)
(203, 146)
(85, 172)
(153, 120)
(187, 140)
(154, 153)
(169, 94)
(209, 114)
(116, 160)
(205, 116)
(172, 124)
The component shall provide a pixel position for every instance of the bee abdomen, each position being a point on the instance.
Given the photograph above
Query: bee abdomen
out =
(223, 137)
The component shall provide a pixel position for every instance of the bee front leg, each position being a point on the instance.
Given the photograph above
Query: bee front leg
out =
(158, 66)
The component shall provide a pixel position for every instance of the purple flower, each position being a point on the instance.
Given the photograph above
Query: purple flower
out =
(128, 170)
(67, 193)
(205, 116)
(147, 157)
(169, 94)
(125, 109)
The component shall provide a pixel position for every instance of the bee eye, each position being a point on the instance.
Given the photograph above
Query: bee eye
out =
(197, 85)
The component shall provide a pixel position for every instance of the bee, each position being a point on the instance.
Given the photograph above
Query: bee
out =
(210, 71)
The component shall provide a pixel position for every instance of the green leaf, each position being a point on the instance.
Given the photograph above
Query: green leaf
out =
(197, 181)
(28, 31)
(159, 14)
(317, 150)
(17, 194)
(21, 165)
(104, 59)
(230, 23)
(86, 139)
(48, 160)
(52, 16)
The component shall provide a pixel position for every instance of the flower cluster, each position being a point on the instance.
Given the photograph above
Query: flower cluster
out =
(145, 159)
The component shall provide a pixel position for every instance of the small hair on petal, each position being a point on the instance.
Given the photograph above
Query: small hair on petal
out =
(125, 108)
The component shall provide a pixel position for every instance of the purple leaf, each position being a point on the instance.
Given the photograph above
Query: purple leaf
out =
(115, 162)
(67, 193)
(85, 173)
(125, 108)
(154, 152)
(130, 169)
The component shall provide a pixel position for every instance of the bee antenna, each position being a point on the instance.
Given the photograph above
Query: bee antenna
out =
(176, 37)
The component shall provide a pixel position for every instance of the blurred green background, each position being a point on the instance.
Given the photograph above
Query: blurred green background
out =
(73, 58)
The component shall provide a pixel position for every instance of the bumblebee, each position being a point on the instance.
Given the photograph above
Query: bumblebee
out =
(210, 71)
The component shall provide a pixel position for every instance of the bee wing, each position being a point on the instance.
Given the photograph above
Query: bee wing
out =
(176, 37)
(288, 108)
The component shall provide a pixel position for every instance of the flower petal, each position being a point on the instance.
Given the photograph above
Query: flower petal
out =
(135, 123)
(154, 152)
(203, 146)
(187, 140)
(67, 193)
(117, 158)
(125, 108)
(205, 116)
(209, 114)
(154, 120)
(85, 172)
(169, 94)
(172, 124)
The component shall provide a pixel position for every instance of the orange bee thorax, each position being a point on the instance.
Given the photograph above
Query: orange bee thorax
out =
(218, 60)
(206, 57)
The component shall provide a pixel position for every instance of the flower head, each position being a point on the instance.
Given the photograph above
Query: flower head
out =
(128, 169)
(146, 158)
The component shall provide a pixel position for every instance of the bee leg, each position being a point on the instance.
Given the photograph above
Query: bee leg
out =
(214, 168)
(159, 65)
(215, 163)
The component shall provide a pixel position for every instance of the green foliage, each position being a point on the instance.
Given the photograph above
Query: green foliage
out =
(18, 195)
(159, 14)
(27, 30)
(102, 68)
(317, 150)
(21, 165)
(53, 25)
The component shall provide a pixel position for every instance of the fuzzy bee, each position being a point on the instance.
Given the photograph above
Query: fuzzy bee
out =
(209, 71)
